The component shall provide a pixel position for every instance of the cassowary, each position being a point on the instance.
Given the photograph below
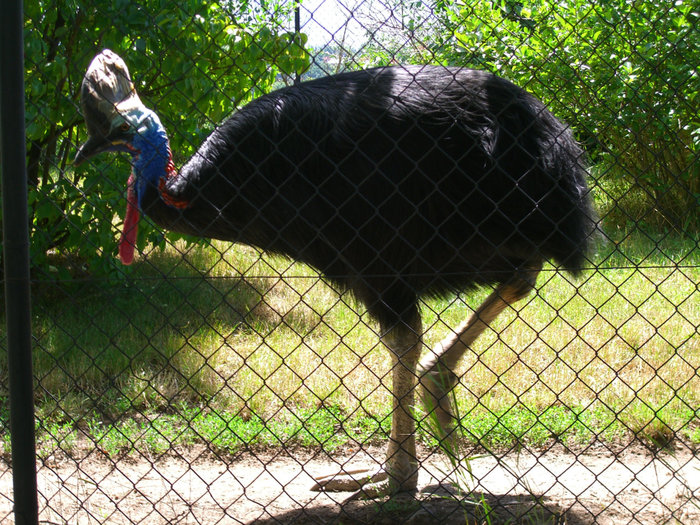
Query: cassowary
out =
(396, 183)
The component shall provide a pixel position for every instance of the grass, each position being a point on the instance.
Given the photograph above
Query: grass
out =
(264, 352)
(155, 433)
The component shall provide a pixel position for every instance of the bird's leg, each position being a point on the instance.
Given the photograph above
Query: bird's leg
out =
(401, 466)
(436, 369)
(400, 470)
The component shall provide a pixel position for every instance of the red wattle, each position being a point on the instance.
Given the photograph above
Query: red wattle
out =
(127, 244)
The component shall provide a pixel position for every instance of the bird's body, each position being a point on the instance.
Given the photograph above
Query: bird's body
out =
(385, 176)
(396, 183)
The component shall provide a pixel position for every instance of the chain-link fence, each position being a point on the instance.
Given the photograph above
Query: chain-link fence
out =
(301, 294)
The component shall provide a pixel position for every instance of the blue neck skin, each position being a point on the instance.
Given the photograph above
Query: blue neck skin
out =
(151, 156)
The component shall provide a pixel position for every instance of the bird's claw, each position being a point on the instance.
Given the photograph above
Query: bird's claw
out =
(374, 490)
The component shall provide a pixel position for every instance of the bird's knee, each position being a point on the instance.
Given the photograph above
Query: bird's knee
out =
(436, 378)
(403, 342)
(521, 284)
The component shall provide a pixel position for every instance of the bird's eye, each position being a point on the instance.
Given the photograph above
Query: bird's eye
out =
(124, 127)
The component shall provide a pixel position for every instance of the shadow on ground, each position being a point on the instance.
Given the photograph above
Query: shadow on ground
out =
(437, 504)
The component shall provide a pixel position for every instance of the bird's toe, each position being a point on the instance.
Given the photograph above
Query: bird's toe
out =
(349, 480)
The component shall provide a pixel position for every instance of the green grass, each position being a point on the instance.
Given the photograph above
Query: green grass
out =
(155, 433)
(152, 432)
(263, 352)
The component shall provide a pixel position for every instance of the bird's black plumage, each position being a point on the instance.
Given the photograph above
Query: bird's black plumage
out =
(395, 182)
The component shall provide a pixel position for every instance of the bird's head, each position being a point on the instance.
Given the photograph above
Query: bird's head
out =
(112, 109)
(117, 121)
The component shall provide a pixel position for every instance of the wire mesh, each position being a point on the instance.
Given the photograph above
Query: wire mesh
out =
(216, 382)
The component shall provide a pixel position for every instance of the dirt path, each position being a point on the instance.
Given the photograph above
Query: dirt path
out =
(197, 487)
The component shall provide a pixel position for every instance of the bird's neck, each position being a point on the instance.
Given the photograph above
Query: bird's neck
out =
(152, 162)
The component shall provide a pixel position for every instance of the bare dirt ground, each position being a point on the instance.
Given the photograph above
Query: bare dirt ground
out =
(195, 486)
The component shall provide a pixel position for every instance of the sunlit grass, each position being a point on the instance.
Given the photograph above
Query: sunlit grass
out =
(613, 352)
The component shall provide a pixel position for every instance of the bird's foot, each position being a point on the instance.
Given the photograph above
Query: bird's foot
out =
(377, 489)
(364, 483)
(349, 480)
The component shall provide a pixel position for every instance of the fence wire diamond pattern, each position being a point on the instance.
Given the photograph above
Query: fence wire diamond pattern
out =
(300, 299)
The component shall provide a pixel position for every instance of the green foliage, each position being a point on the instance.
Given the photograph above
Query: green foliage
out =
(192, 62)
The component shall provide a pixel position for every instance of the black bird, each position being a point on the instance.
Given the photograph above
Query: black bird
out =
(397, 183)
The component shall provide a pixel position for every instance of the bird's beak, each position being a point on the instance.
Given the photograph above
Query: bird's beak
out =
(92, 146)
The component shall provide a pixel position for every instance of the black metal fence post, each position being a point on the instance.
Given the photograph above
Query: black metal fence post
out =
(16, 261)
(297, 32)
